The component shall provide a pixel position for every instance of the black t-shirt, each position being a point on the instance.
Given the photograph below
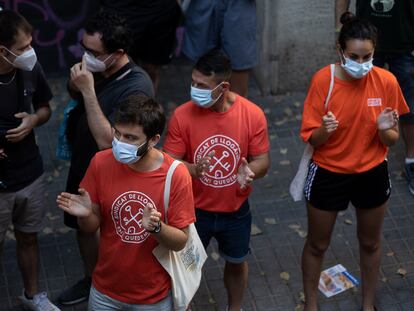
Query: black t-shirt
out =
(395, 23)
(27, 92)
(129, 80)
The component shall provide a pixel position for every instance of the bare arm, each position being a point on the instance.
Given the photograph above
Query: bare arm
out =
(82, 79)
(389, 137)
(321, 134)
(168, 236)
(92, 222)
(171, 237)
(341, 6)
(259, 165)
(29, 121)
(98, 123)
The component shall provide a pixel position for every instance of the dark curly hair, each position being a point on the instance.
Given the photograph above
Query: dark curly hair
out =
(114, 29)
(356, 28)
(143, 111)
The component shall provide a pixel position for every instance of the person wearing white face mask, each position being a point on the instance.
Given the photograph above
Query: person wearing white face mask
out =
(103, 78)
(122, 195)
(350, 117)
(23, 88)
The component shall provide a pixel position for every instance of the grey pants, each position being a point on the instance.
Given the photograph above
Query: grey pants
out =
(101, 302)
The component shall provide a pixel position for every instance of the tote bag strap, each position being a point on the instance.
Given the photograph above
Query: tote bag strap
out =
(331, 86)
(167, 187)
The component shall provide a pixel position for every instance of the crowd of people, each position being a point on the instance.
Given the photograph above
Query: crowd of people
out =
(114, 196)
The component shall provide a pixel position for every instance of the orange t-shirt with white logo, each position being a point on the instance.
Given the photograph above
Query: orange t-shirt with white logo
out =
(127, 270)
(355, 146)
(241, 131)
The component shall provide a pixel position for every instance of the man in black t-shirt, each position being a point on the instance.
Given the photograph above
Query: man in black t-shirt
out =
(99, 83)
(394, 20)
(25, 97)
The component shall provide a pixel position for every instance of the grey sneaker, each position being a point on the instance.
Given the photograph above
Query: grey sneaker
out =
(40, 302)
(409, 172)
(77, 293)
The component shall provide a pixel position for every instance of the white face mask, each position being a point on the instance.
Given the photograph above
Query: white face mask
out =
(95, 65)
(127, 153)
(25, 61)
(355, 69)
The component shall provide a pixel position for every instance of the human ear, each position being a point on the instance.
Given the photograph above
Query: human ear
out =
(153, 141)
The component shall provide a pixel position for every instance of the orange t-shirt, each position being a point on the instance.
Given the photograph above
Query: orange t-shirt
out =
(241, 131)
(127, 270)
(355, 146)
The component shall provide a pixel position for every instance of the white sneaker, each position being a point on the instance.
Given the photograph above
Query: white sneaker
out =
(40, 302)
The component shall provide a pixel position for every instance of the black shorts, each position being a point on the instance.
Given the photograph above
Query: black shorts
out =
(332, 191)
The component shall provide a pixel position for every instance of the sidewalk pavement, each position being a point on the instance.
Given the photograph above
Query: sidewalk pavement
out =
(277, 234)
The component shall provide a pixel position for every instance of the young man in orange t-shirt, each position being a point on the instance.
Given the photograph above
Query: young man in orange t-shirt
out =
(222, 138)
(122, 194)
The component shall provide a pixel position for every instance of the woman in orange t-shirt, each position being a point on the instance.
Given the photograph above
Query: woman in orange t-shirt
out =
(350, 139)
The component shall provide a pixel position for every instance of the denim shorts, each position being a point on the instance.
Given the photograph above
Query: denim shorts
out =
(102, 302)
(231, 230)
(229, 25)
(402, 66)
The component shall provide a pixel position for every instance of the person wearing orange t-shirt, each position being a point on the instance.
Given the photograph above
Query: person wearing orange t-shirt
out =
(350, 139)
(222, 138)
(122, 195)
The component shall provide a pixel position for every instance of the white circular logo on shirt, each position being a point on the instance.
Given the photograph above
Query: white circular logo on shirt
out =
(223, 166)
(382, 6)
(126, 212)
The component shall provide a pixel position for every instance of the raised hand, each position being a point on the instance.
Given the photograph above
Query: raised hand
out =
(76, 205)
(387, 119)
(201, 167)
(150, 218)
(329, 122)
(245, 175)
(81, 77)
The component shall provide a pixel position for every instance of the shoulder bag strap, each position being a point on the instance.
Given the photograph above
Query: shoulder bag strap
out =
(167, 187)
(331, 85)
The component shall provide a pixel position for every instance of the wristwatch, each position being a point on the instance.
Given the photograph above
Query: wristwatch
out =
(157, 229)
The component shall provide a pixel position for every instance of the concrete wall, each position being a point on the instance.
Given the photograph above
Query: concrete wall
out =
(296, 39)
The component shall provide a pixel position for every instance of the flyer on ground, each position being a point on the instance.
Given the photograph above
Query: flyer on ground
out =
(335, 280)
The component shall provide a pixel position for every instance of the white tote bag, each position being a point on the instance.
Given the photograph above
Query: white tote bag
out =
(298, 182)
(184, 266)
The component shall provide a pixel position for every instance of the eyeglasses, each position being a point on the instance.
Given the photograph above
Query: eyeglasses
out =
(93, 52)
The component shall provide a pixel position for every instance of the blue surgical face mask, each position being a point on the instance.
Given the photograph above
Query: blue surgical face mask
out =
(355, 69)
(202, 97)
(127, 153)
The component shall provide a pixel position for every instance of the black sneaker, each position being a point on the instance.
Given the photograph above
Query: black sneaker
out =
(77, 293)
(409, 172)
